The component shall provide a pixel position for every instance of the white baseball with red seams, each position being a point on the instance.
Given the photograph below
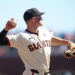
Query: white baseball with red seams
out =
(13, 21)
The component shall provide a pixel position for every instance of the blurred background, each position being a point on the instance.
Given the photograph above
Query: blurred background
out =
(59, 17)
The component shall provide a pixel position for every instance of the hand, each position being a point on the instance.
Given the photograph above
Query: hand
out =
(72, 45)
(70, 52)
(10, 25)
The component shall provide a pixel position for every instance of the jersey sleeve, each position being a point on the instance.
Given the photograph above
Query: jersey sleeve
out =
(49, 33)
(12, 40)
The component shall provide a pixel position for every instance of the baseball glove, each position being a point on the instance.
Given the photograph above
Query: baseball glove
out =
(70, 53)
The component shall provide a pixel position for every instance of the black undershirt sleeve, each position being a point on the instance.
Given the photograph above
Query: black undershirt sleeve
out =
(3, 40)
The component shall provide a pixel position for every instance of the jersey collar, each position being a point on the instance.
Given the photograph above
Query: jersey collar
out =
(31, 32)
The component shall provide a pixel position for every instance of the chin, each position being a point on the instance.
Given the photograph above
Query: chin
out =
(39, 24)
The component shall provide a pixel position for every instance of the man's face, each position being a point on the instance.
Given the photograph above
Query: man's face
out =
(37, 20)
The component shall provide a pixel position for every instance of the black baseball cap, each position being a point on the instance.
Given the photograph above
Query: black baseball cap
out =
(32, 13)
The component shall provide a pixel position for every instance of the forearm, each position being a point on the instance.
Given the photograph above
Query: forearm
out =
(58, 42)
(3, 40)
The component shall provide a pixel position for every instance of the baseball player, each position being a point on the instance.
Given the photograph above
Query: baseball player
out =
(34, 44)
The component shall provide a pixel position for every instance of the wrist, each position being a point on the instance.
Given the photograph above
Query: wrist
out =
(6, 29)
(71, 44)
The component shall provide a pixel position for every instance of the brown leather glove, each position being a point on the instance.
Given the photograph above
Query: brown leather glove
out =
(70, 52)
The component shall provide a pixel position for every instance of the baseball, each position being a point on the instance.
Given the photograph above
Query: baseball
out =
(13, 21)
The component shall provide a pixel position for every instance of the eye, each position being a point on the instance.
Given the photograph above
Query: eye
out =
(39, 18)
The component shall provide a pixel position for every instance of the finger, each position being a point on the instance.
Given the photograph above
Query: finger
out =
(69, 47)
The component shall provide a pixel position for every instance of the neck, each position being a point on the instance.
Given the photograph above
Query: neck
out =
(32, 29)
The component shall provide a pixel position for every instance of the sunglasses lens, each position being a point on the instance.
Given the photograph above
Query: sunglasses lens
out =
(39, 18)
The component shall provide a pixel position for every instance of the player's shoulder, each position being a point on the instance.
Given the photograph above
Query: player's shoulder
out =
(45, 30)
(23, 34)
(42, 28)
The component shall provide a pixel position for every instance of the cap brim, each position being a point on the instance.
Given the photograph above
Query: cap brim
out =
(39, 14)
